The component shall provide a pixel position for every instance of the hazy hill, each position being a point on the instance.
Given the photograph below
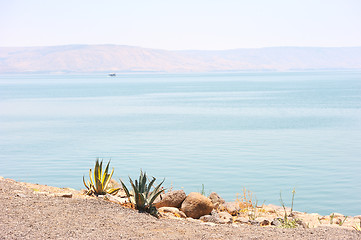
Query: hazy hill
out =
(114, 58)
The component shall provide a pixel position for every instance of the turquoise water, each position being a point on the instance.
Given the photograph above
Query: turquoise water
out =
(267, 132)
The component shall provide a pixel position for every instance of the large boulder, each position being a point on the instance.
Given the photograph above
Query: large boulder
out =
(196, 205)
(171, 199)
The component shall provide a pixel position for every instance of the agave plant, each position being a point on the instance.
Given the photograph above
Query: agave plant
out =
(98, 184)
(142, 195)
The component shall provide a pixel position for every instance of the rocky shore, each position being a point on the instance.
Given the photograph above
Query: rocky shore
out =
(32, 211)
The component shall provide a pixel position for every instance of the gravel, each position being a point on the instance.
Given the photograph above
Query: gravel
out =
(26, 214)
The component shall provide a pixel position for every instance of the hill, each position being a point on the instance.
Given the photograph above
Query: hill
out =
(118, 58)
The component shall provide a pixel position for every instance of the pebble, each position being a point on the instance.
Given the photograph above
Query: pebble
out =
(64, 195)
(20, 195)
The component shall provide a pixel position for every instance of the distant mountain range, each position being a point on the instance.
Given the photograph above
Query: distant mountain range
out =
(117, 58)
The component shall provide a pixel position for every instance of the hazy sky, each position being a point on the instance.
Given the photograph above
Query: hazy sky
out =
(183, 24)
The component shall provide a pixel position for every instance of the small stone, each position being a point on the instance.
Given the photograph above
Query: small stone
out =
(232, 207)
(2, 178)
(253, 222)
(64, 195)
(276, 222)
(83, 191)
(301, 223)
(216, 199)
(20, 195)
(220, 218)
(121, 193)
(225, 217)
(241, 220)
(115, 199)
(358, 216)
(173, 210)
(113, 184)
(263, 221)
(209, 218)
(268, 209)
(214, 213)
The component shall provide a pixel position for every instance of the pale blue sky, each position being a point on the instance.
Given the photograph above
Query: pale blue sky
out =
(183, 24)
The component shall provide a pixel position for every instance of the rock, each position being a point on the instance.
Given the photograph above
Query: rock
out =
(253, 222)
(220, 218)
(241, 220)
(171, 199)
(308, 220)
(209, 218)
(295, 214)
(338, 221)
(121, 193)
(301, 223)
(263, 221)
(276, 222)
(358, 216)
(269, 209)
(216, 199)
(2, 178)
(225, 217)
(167, 215)
(20, 195)
(114, 184)
(83, 191)
(232, 207)
(65, 195)
(196, 205)
(116, 199)
(173, 210)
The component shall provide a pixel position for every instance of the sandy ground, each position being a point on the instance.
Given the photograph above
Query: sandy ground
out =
(26, 213)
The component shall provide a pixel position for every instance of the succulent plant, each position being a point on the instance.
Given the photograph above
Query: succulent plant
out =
(98, 184)
(142, 195)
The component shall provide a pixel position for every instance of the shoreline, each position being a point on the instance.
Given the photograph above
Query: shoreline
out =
(20, 202)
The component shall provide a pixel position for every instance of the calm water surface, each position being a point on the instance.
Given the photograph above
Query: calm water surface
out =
(267, 132)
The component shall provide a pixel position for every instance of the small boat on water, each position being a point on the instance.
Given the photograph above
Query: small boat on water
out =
(111, 74)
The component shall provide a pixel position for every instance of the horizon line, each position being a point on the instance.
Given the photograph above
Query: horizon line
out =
(125, 45)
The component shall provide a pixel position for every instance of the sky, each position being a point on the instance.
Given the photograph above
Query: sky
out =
(182, 24)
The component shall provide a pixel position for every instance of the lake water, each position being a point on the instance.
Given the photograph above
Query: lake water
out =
(267, 132)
